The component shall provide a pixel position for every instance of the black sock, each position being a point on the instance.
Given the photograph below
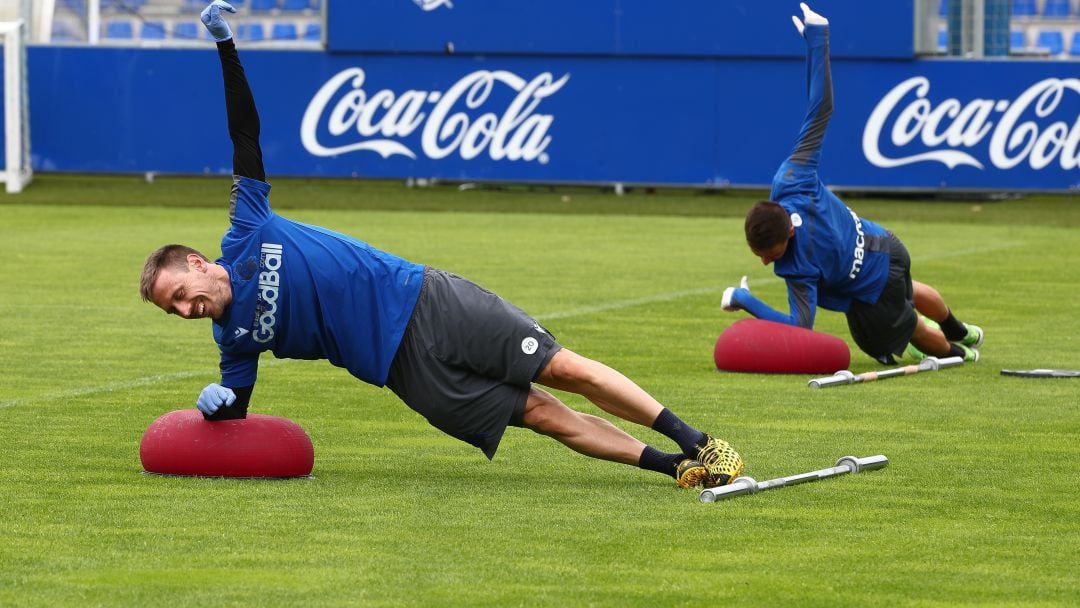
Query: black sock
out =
(956, 351)
(678, 431)
(953, 329)
(653, 459)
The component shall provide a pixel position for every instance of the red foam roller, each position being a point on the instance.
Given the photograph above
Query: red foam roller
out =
(182, 442)
(754, 345)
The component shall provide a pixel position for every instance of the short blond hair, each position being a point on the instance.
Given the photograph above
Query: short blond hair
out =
(170, 256)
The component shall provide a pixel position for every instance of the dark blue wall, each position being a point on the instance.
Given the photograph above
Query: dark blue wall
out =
(638, 120)
(681, 28)
(660, 106)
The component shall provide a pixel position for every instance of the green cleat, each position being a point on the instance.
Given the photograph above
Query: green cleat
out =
(722, 462)
(914, 353)
(971, 355)
(974, 337)
(690, 473)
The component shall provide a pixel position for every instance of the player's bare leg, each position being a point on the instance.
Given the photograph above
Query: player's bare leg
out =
(930, 340)
(939, 337)
(929, 302)
(608, 389)
(618, 395)
(593, 436)
(583, 433)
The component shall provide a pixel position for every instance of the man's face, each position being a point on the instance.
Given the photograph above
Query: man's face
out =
(770, 255)
(777, 251)
(191, 293)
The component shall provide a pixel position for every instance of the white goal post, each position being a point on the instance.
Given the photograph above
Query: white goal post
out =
(17, 170)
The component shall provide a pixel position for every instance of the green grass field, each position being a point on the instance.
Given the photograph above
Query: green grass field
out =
(979, 505)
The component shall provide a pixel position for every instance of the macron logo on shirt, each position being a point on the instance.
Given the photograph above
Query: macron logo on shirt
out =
(860, 243)
(269, 284)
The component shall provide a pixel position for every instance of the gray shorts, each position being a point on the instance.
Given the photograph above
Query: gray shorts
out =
(884, 328)
(467, 360)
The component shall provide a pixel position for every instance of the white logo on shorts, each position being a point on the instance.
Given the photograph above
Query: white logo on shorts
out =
(529, 345)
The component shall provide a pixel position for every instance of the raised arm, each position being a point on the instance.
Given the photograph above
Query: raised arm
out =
(239, 102)
(230, 399)
(819, 88)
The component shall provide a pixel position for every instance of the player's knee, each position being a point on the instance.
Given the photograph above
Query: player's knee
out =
(545, 414)
(576, 371)
(922, 290)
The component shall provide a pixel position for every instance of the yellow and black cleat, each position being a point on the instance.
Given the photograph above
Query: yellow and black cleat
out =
(721, 461)
(690, 473)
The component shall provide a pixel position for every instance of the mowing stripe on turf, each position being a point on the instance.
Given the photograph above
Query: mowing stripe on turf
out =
(563, 314)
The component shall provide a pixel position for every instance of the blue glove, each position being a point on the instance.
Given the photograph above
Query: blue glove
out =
(212, 19)
(214, 396)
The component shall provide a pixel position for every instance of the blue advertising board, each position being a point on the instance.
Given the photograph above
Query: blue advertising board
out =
(686, 28)
(926, 124)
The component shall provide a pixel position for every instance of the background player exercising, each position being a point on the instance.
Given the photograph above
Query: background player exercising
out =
(831, 257)
(459, 355)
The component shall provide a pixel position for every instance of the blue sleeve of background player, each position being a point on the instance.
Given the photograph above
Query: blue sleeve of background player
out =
(807, 150)
(802, 297)
(798, 174)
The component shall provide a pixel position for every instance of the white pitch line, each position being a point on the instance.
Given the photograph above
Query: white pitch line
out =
(564, 314)
(962, 252)
(118, 386)
(70, 307)
(617, 304)
(103, 388)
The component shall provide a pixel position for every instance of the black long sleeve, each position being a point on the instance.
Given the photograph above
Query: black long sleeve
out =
(243, 116)
(239, 407)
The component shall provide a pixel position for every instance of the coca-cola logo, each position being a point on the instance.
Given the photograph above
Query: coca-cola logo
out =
(430, 5)
(1034, 127)
(343, 117)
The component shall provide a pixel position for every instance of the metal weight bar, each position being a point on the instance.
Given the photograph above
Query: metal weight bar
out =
(747, 485)
(929, 364)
